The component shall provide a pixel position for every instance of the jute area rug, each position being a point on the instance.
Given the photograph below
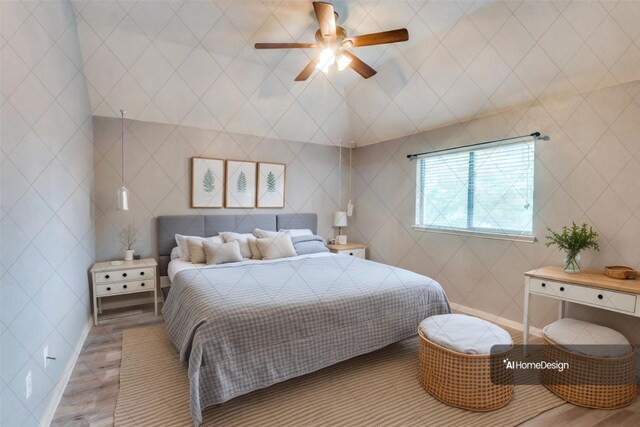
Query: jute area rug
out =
(377, 389)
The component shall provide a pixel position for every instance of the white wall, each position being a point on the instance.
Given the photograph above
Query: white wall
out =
(588, 172)
(47, 227)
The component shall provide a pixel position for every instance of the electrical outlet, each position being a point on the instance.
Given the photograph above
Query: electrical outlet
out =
(29, 385)
(45, 356)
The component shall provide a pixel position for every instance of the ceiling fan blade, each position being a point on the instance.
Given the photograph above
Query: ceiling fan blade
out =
(307, 71)
(358, 66)
(326, 19)
(285, 45)
(393, 36)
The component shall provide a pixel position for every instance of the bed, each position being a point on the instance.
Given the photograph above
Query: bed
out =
(244, 326)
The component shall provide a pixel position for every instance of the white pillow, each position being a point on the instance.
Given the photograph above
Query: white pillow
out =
(241, 238)
(263, 234)
(296, 232)
(222, 253)
(276, 247)
(183, 245)
(175, 253)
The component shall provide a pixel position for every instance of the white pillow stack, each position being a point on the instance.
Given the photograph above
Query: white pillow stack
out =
(242, 239)
(183, 244)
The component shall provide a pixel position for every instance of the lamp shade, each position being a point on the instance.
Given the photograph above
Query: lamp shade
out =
(123, 198)
(340, 219)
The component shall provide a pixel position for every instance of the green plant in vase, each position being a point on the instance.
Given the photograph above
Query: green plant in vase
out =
(573, 240)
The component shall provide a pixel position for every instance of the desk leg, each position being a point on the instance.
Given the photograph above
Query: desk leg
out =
(95, 310)
(155, 299)
(99, 305)
(561, 309)
(525, 322)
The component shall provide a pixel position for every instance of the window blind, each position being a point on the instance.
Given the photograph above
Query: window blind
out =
(488, 188)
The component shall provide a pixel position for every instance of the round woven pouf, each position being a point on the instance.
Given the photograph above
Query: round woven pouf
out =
(601, 364)
(455, 363)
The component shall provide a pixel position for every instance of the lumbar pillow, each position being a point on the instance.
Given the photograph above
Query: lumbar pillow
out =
(183, 244)
(263, 234)
(196, 250)
(279, 246)
(297, 232)
(241, 238)
(222, 253)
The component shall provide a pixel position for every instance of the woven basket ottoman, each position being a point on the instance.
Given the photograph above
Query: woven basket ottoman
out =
(455, 362)
(601, 364)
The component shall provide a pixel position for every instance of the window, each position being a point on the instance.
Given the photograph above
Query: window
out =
(486, 189)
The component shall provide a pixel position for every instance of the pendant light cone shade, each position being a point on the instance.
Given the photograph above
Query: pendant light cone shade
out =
(123, 192)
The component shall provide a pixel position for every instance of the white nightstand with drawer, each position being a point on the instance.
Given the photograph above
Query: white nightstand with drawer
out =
(353, 249)
(129, 277)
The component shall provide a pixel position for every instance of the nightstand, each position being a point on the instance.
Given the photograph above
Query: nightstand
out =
(129, 277)
(353, 249)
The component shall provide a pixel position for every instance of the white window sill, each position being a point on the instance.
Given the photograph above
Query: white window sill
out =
(481, 234)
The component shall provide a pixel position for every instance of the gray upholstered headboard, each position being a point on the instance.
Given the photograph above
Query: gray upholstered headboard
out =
(211, 225)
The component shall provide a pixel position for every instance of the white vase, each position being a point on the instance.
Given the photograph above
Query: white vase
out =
(128, 254)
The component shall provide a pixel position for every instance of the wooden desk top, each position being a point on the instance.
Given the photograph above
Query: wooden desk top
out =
(592, 278)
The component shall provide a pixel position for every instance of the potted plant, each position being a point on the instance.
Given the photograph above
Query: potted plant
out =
(128, 238)
(573, 240)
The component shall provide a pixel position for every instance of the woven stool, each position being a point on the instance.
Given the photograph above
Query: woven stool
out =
(455, 362)
(601, 372)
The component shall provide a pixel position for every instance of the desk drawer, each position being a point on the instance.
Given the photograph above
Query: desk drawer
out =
(359, 253)
(124, 287)
(617, 301)
(129, 274)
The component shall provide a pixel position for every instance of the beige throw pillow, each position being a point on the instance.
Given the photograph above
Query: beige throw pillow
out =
(263, 234)
(253, 245)
(222, 253)
(241, 238)
(196, 251)
(276, 247)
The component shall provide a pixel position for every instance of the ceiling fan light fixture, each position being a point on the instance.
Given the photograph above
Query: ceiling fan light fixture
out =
(327, 59)
(343, 61)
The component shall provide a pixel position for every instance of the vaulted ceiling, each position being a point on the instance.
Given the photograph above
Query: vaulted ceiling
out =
(193, 63)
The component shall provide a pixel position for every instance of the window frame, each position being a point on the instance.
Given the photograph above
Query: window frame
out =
(489, 233)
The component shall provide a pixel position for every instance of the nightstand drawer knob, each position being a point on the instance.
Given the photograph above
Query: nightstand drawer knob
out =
(124, 286)
(350, 253)
(124, 274)
(106, 276)
(561, 288)
(141, 284)
(600, 296)
(109, 289)
(544, 285)
(142, 273)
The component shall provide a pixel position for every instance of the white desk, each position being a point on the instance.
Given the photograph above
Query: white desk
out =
(589, 287)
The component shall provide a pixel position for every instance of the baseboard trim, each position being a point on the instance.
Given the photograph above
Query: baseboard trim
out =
(502, 321)
(107, 305)
(60, 387)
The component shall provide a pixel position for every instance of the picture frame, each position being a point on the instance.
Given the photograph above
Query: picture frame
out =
(207, 182)
(240, 189)
(272, 179)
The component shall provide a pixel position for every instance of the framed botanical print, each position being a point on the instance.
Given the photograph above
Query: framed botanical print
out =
(271, 185)
(241, 184)
(207, 182)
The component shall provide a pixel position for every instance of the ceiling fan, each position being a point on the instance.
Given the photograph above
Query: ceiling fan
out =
(335, 43)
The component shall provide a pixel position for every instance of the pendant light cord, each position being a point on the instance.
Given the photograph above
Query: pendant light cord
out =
(339, 176)
(122, 143)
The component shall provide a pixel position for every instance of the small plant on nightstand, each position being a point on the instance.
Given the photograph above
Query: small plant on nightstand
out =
(128, 237)
(573, 240)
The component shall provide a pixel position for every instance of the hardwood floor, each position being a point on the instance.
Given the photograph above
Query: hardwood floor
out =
(90, 396)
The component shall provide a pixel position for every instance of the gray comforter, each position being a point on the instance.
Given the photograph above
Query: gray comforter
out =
(244, 326)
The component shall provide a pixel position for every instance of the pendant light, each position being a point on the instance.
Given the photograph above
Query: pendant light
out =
(123, 192)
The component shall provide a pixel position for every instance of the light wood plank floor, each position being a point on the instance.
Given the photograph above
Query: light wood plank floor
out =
(90, 396)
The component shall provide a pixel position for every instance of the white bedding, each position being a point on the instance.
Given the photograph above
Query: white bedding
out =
(176, 265)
